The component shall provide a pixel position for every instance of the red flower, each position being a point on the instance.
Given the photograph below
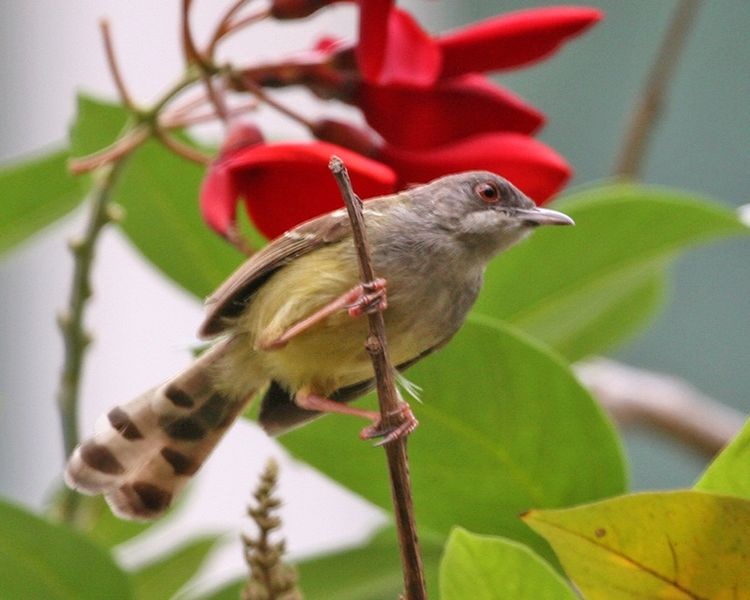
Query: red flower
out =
(532, 166)
(414, 108)
(393, 48)
(283, 184)
(448, 111)
(512, 40)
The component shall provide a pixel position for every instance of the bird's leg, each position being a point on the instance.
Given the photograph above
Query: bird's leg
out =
(407, 422)
(361, 299)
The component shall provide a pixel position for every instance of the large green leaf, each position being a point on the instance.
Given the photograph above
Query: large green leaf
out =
(729, 473)
(582, 289)
(493, 568)
(505, 426)
(34, 194)
(685, 544)
(370, 572)
(42, 560)
(160, 194)
(164, 577)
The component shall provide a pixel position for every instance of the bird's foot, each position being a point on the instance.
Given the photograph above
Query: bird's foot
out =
(404, 422)
(368, 298)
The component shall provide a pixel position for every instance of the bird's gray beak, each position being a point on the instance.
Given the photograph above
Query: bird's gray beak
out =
(542, 216)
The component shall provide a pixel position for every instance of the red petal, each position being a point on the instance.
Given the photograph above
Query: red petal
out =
(393, 48)
(514, 39)
(218, 198)
(286, 184)
(453, 109)
(535, 168)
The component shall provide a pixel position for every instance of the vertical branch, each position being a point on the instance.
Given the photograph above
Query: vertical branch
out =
(75, 338)
(649, 106)
(377, 346)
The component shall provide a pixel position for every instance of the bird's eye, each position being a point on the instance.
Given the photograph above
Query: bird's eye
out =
(488, 192)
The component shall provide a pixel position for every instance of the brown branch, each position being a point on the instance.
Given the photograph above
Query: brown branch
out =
(181, 149)
(377, 346)
(261, 95)
(114, 68)
(221, 28)
(638, 397)
(650, 105)
(117, 150)
(188, 44)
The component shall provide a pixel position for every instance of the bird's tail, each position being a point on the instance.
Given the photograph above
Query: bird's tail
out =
(144, 452)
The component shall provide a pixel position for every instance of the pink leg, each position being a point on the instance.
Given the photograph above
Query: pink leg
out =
(407, 424)
(362, 298)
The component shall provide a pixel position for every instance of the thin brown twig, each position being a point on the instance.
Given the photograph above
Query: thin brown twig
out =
(221, 26)
(177, 121)
(238, 24)
(260, 93)
(188, 44)
(377, 346)
(114, 68)
(182, 149)
(651, 102)
(119, 148)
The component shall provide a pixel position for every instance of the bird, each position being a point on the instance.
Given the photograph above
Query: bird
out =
(287, 323)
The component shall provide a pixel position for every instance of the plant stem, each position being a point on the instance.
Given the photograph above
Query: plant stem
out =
(75, 338)
(651, 102)
(377, 347)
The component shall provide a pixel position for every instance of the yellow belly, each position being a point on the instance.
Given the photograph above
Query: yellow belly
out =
(331, 354)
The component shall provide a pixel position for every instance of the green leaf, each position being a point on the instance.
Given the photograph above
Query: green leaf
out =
(34, 194)
(493, 568)
(102, 527)
(505, 426)
(159, 192)
(729, 472)
(97, 125)
(228, 591)
(41, 560)
(584, 288)
(164, 577)
(655, 545)
(370, 572)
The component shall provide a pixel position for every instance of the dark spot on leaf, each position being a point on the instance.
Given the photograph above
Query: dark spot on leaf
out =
(601, 532)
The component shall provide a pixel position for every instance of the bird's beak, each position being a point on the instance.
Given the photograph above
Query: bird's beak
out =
(542, 216)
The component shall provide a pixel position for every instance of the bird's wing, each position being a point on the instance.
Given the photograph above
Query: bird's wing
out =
(234, 294)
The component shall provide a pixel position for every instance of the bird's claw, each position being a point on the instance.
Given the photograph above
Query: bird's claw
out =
(371, 298)
(404, 426)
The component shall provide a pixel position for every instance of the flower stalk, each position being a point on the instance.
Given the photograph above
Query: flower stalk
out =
(270, 578)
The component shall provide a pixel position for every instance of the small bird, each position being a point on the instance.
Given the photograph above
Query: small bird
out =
(286, 321)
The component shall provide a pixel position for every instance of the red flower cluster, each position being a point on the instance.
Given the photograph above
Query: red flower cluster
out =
(429, 108)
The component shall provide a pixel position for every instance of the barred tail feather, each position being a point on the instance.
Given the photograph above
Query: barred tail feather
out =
(144, 452)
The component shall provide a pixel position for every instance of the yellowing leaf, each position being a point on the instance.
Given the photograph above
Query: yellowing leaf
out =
(671, 545)
(729, 472)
